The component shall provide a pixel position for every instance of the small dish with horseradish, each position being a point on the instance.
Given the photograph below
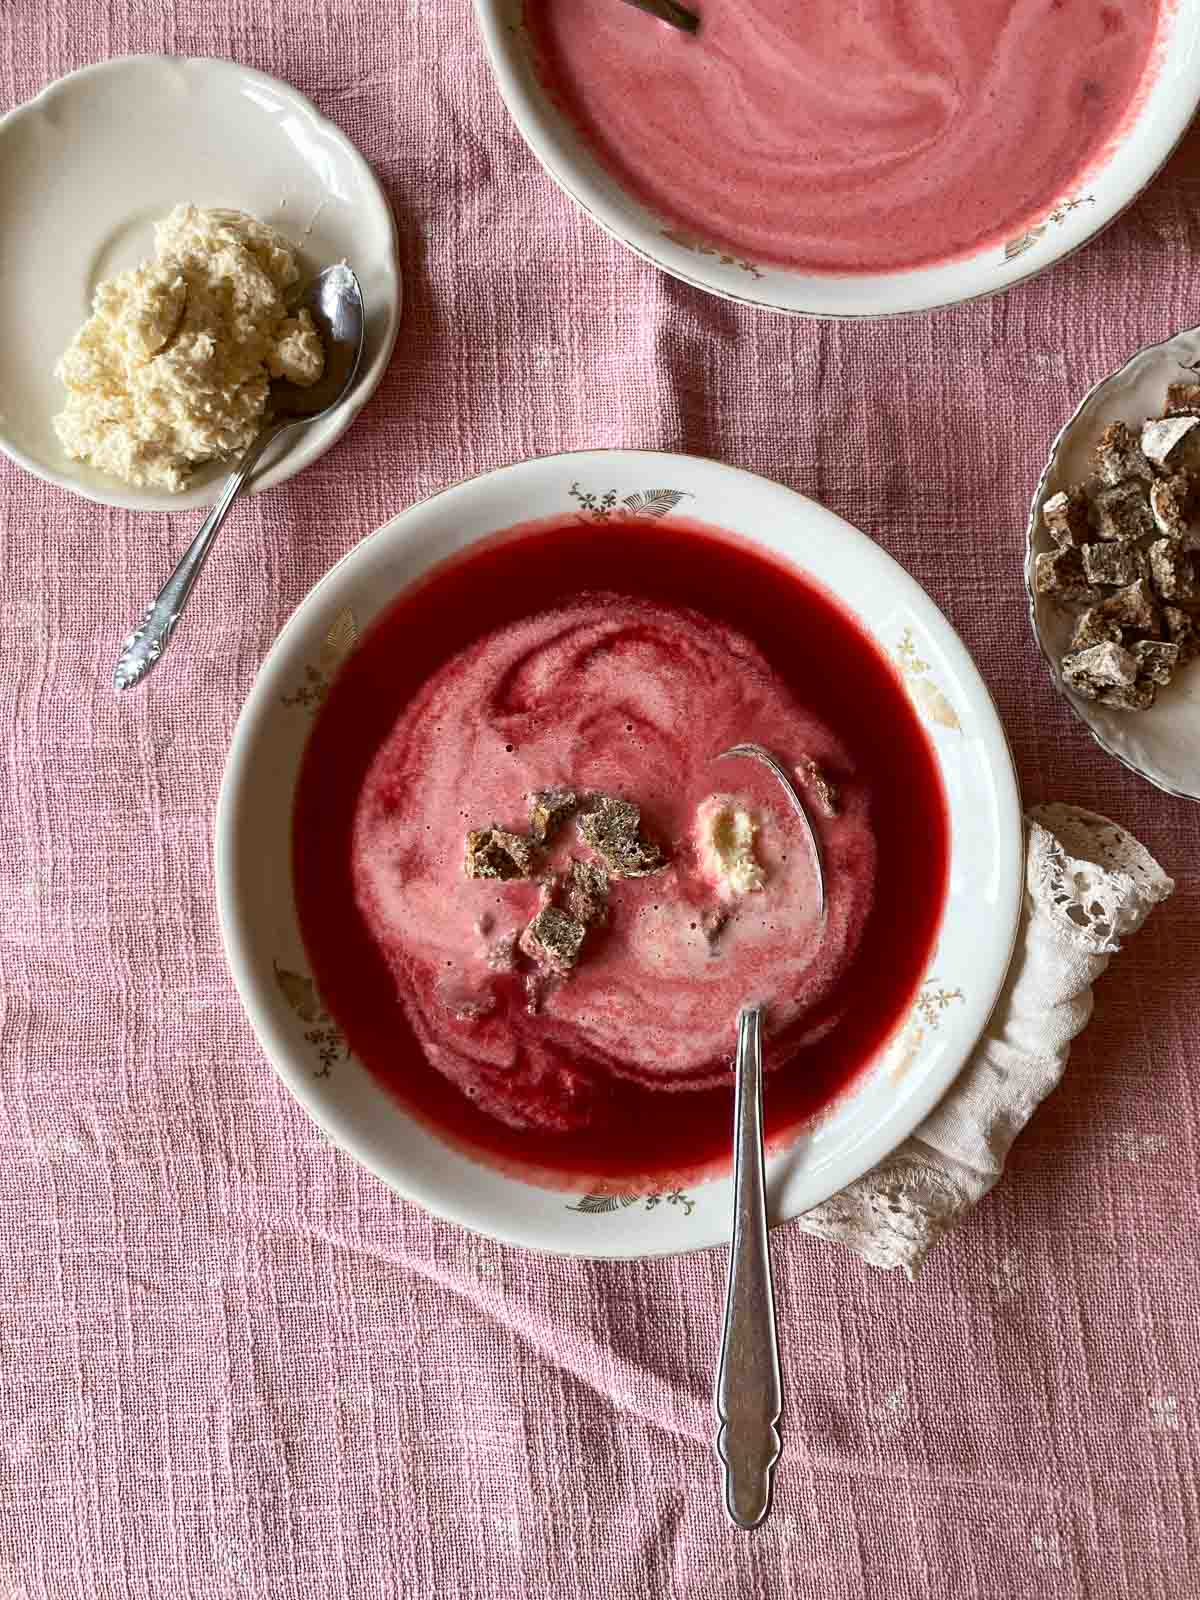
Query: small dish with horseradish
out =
(150, 270)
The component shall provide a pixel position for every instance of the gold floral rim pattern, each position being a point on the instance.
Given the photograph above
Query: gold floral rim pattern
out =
(1027, 240)
(702, 247)
(340, 639)
(1013, 248)
(924, 692)
(932, 1002)
(604, 507)
(322, 1032)
(605, 1202)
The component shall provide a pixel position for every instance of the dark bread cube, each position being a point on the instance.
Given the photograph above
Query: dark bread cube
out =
(1112, 565)
(1094, 628)
(586, 895)
(1060, 573)
(1173, 572)
(495, 853)
(1156, 661)
(548, 809)
(612, 827)
(553, 940)
(1170, 505)
(1183, 632)
(1170, 442)
(1123, 513)
(1135, 608)
(1104, 666)
(1139, 696)
(1119, 456)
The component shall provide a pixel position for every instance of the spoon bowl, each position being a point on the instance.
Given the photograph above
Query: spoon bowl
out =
(759, 753)
(334, 301)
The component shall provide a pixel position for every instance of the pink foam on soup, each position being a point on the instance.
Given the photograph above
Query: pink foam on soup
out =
(602, 694)
(518, 665)
(849, 136)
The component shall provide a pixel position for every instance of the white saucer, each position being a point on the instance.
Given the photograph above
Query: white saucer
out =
(1162, 744)
(254, 871)
(90, 165)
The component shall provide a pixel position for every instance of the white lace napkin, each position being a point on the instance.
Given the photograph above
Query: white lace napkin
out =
(1089, 885)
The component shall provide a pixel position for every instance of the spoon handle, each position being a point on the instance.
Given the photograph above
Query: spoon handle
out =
(749, 1388)
(145, 645)
(668, 11)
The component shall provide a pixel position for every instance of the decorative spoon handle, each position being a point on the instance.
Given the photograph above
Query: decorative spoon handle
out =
(749, 1388)
(145, 645)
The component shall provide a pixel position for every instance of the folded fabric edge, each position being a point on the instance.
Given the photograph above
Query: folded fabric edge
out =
(1096, 884)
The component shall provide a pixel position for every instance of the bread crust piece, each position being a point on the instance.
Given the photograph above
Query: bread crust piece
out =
(1068, 516)
(553, 939)
(586, 893)
(1119, 455)
(1173, 572)
(548, 810)
(1183, 399)
(1182, 631)
(1139, 696)
(494, 852)
(1135, 608)
(1093, 628)
(1123, 513)
(1168, 442)
(1156, 661)
(1170, 505)
(1060, 573)
(1112, 566)
(1104, 666)
(612, 827)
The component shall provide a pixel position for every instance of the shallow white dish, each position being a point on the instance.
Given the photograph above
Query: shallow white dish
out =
(88, 167)
(1161, 119)
(1162, 744)
(253, 865)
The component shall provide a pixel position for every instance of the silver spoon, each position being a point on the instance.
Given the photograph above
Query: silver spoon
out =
(749, 1394)
(335, 301)
(758, 752)
(668, 11)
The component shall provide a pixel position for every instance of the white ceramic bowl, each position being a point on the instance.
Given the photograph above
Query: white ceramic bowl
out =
(1162, 744)
(267, 956)
(90, 165)
(1124, 171)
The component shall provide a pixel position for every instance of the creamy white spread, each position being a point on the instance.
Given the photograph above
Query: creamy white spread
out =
(725, 834)
(174, 366)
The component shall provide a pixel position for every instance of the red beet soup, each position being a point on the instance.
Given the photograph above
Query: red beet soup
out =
(850, 136)
(614, 659)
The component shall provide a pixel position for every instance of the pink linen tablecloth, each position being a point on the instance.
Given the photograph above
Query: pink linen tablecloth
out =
(233, 1364)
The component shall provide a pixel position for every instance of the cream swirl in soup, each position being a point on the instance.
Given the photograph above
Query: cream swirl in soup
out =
(849, 136)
